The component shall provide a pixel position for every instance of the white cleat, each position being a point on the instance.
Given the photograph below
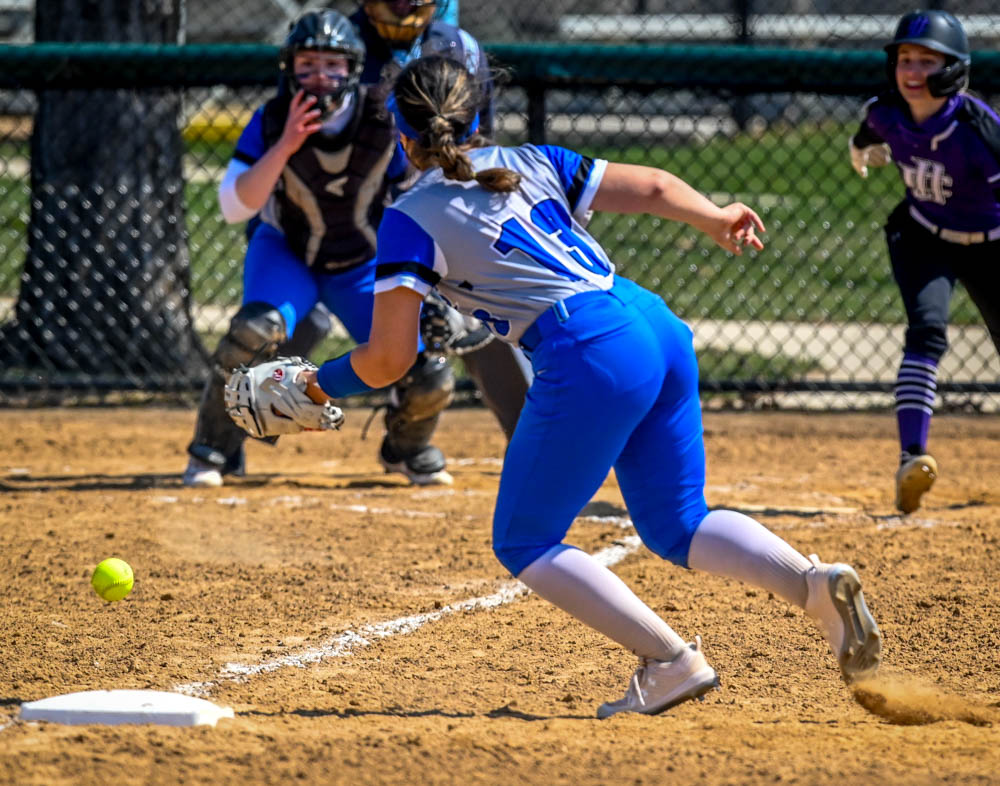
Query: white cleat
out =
(425, 468)
(201, 474)
(439, 478)
(838, 606)
(658, 685)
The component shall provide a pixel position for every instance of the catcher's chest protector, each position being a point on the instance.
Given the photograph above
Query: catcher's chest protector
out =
(332, 192)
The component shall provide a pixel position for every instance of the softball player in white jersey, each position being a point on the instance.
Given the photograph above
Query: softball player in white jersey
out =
(496, 231)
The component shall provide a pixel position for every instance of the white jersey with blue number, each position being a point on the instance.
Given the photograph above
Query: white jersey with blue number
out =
(503, 258)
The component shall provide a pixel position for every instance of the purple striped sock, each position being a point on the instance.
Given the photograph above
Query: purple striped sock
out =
(916, 384)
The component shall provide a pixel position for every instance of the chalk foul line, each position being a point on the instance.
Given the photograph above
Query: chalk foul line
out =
(348, 642)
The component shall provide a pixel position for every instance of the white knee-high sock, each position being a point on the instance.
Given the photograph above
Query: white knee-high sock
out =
(580, 585)
(730, 544)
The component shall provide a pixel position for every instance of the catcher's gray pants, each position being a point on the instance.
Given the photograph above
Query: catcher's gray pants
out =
(502, 374)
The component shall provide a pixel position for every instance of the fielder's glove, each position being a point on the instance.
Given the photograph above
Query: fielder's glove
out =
(864, 157)
(448, 332)
(270, 399)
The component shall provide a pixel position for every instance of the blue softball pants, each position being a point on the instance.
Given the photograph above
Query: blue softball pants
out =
(274, 274)
(616, 385)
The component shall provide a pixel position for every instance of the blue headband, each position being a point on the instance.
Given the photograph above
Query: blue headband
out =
(408, 131)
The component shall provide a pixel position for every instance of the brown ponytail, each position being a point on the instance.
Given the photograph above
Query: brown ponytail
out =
(440, 100)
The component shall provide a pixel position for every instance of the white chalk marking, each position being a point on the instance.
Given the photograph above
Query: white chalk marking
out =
(230, 501)
(347, 642)
(898, 522)
(476, 462)
(296, 501)
(413, 514)
(622, 522)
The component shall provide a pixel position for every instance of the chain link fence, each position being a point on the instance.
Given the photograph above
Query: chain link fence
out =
(118, 274)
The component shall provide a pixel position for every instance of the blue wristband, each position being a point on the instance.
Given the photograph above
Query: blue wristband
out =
(338, 378)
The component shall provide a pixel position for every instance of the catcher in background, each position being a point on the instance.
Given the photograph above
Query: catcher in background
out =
(311, 170)
(497, 231)
(395, 32)
(946, 144)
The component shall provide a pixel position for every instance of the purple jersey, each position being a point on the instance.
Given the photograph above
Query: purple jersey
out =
(950, 163)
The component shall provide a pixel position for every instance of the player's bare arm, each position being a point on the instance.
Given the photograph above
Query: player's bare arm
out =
(392, 344)
(627, 188)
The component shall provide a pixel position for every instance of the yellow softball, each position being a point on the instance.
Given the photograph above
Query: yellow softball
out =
(112, 579)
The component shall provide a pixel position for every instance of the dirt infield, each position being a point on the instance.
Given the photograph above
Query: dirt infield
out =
(281, 595)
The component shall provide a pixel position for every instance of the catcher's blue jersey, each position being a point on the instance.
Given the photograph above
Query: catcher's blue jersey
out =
(503, 258)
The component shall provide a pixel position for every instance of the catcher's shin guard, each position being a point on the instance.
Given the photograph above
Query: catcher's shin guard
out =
(415, 405)
(253, 337)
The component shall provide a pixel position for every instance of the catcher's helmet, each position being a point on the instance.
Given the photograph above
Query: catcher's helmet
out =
(400, 21)
(943, 33)
(324, 30)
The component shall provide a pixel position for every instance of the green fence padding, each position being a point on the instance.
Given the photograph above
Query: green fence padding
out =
(739, 69)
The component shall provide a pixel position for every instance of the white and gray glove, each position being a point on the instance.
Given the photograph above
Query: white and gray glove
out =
(270, 399)
(864, 157)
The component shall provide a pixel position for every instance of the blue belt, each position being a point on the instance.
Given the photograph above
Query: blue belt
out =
(555, 315)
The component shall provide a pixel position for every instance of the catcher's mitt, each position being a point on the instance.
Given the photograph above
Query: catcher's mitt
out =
(270, 399)
(446, 331)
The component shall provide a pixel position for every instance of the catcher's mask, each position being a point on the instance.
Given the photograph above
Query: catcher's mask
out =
(324, 31)
(940, 32)
(399, 22)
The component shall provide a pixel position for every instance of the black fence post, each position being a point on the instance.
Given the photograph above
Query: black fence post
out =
(741, 104)
(536, 114)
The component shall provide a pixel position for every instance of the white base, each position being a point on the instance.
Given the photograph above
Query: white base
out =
(114, 707)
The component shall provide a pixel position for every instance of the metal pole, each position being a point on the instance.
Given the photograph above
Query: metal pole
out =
(536, 114)
(741, 104)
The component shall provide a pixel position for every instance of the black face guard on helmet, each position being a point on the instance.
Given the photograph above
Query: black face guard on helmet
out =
(324, 31)
(399, 30)
(940, 32)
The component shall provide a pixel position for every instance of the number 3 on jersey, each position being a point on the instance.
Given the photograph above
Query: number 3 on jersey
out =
(551, 218)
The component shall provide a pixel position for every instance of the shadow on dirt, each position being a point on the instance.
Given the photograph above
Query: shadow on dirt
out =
(139, 482)
(352, 712)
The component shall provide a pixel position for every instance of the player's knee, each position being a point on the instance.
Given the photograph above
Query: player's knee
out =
(516, 558)
(929, 340)
(253, 336)
(520, 538)
(668, 533)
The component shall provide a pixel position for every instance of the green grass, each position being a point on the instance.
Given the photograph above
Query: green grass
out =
(825, 258)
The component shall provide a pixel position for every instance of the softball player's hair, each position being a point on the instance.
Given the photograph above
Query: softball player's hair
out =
(440, 100)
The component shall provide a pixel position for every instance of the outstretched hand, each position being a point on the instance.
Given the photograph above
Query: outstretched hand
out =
(313, 390)
(737, 228)
(301, 123)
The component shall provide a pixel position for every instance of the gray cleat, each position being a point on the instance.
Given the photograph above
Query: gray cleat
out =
(838, 606)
